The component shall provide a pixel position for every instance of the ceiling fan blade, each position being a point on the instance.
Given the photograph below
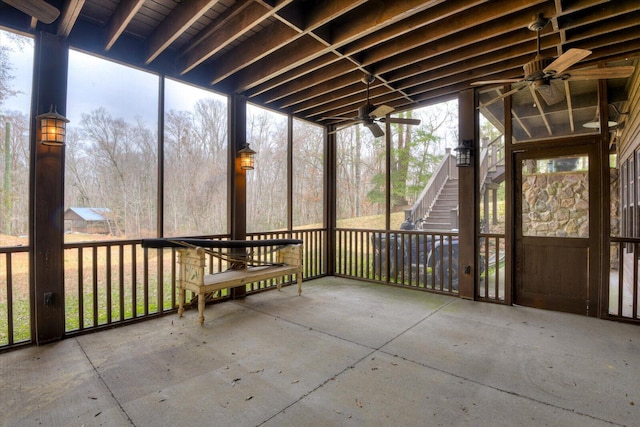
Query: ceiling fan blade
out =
(346, 125)
(566, 60)
(375, 129)
(493, 82)
(343, 126)
(338, 118)
(401, 121)
(39, 9)
(504, 95)
(601, 73)
(550, 93)
(381, 111)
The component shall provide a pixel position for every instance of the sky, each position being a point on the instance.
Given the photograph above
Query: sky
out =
(123, 91)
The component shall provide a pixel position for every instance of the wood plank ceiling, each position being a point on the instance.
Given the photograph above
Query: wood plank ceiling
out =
(308, 57)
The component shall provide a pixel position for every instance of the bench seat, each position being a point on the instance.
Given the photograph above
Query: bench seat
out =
(192, 275)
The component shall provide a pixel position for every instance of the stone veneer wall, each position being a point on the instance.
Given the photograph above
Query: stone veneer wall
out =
(615, 215)
(555, 204)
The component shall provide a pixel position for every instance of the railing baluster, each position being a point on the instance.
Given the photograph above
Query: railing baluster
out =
(108, 267)
(94, 269)
(145, 280)
(121, 281)
(80, 288)
(134, 283)
(10, 324)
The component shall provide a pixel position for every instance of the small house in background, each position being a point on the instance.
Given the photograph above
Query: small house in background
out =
(88, 220)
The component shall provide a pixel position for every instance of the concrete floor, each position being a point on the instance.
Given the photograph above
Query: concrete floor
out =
(345, 353)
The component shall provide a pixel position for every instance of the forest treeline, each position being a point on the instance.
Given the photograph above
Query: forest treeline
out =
(111, 161)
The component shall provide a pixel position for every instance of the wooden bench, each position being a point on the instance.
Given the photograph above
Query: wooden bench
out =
(192, 263)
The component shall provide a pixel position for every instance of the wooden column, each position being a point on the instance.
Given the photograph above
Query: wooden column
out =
(46, 220)
(330, 177)
(468, 198)
(237, 184)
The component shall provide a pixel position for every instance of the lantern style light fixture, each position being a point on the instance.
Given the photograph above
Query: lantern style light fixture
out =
(247, 158)
(53, 127)
(463, 156)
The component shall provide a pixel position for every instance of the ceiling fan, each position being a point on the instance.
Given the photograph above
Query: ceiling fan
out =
(38, 9)
(539, 72)
(370, 115)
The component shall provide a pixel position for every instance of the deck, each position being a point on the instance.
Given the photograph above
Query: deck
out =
(344, 353)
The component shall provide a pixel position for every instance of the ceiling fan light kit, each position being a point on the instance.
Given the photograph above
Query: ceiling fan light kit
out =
(539, 72)
(370, 115)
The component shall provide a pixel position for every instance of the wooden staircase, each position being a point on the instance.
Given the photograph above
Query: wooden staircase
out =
(436, 209)
(443, 213)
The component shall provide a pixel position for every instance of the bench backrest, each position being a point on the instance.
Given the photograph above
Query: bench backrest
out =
(192, 261)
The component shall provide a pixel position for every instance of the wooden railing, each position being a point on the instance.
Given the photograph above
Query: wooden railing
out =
(623, 299)
(415, 259)
(115, 282)
(15, 311)
(491, 156)
(446, 170)
(108, 283)
(491, 283)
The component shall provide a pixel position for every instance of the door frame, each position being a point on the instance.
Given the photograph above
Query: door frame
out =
(591, 146)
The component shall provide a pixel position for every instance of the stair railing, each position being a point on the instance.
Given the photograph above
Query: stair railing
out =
(446, 170)
(491, 156)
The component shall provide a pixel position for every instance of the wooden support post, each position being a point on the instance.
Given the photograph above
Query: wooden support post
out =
(46, 224)
(330, 177)
(468, 198)
(237, 215)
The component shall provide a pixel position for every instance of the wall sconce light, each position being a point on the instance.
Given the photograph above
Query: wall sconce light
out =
(52, 127)
(463, 156)
(247, 158)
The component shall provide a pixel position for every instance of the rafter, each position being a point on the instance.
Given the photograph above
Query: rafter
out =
(69, 16)
(181, 18)
(122, 16)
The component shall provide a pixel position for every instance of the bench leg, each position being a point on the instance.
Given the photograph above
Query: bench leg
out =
(299, 277)
(180, 301)
(201, 300)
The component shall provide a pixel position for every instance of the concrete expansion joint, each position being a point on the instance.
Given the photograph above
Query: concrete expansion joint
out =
(301, 325)
(103, 382)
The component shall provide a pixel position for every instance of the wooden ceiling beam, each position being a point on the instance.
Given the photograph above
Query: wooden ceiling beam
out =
(183, 16)
(224, 20)
(375, 16)
(278, 86)
(320, 75)
(269, 40)
(598, 13)
(348, 98)
(449, 44)
(502, 34)
(471, 19)
(625, 27)
(565, 7)
(473, 70)
(122, 16)
(570, 113)
(381, 14)
(323, 88)
(429, 16)
(224, 32)
(539, 105)
(255, 48)
(322, 102)
(69, 16)
(297, 53)
(495, 52)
